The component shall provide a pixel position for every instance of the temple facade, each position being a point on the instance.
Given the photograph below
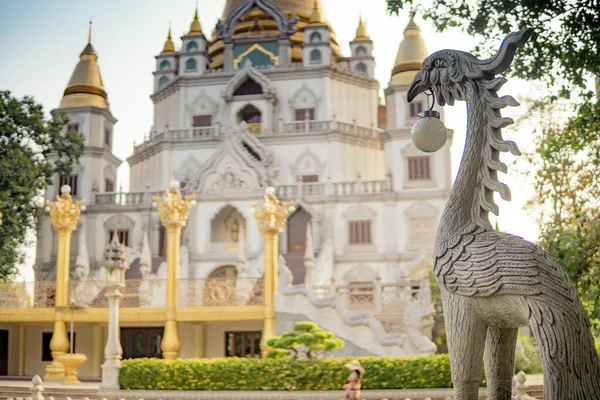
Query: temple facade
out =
(268, 100)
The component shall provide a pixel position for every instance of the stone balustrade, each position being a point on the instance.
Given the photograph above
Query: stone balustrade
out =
(377, 298)
(349, 188)
(36, 390)
(320, 189)
(281, 128)
(150, 292)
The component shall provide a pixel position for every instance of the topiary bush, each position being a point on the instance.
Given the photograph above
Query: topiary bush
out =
(306, 341)
(283, 373)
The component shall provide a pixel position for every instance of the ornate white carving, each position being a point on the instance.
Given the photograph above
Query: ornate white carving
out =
(242, 162)
(421, 209)
(249, 72)
(307, 163)
(359, 212)
(324, 264)
(227, 181)
(286, 26)
(331, 314)
(360, 273)
(304, 97)
(203, 104)
(187, 169)
(152, 289)
(119, 221)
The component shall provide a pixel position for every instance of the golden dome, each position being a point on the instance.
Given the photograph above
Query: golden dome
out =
(85, 88)
(169, 46)
(361, 31)
(302, 8)
(411, 53)
(315, 16)
(195, 27)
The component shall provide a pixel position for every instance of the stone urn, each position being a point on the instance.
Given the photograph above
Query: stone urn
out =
(71, 362)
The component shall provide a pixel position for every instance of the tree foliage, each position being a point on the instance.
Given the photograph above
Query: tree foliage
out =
(564, 47)
(28, 141)
(307, 340)
(567, 195)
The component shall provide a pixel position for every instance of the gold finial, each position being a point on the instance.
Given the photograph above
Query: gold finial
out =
(64, 212)
(195, 27)
(361, 31)
(174, 209)
(412, 28)
(90, 31)
(315, 17)
(271, 216)
(169, 46)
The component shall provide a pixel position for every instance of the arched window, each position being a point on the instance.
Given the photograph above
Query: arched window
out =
(191, 46)
(191, 65)
(315, 37)
(164, 65)
(163, 81)
(362, 68)
(315, 56)
(250, 114)
(361, 51)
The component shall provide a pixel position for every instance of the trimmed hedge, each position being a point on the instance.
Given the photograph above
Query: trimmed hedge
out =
(283, 374)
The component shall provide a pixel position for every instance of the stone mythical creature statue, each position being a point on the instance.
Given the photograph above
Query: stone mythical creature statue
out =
(492, 283)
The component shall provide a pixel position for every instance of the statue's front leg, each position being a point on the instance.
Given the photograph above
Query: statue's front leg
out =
(466, 341)
(499, 360)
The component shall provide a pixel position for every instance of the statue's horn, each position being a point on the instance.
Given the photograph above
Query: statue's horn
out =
(506, 53)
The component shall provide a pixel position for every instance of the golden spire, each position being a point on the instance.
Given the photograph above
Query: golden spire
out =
(315, 17)
(169, 46)
(361, 31)
(85, 88)
(195, 27)
(411, 53)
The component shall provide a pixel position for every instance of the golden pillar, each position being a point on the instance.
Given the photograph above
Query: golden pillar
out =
(270, 218)
(173, 210)
(64, 213)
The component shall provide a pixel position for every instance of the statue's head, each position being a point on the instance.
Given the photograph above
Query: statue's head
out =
(453, 74)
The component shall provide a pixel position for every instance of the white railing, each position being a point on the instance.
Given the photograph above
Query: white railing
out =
(371, 187)
(295, 127)
(125, 198)
(375, 298)
(335, 189)
(35, 392)
(149, 292)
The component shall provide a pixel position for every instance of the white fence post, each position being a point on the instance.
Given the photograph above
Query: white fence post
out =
(36, 388)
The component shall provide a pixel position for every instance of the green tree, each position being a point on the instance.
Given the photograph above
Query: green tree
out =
(306, 340)
(567, 195)
(28, 141)
(564, 47)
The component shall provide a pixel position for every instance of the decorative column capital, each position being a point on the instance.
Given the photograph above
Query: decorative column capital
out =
(271, 216)
(64, 212)
(174, 208)
(115, 263)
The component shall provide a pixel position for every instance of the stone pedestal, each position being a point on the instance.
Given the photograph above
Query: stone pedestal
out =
(71, 362)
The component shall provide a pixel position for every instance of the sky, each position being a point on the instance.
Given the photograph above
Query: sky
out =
(41, 40)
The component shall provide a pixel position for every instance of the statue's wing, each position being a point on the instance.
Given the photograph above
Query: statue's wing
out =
(480, 263)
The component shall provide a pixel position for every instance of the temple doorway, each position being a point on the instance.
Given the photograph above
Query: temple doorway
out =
(297, 225)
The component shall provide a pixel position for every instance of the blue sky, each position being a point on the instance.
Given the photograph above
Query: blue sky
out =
(40, 41)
